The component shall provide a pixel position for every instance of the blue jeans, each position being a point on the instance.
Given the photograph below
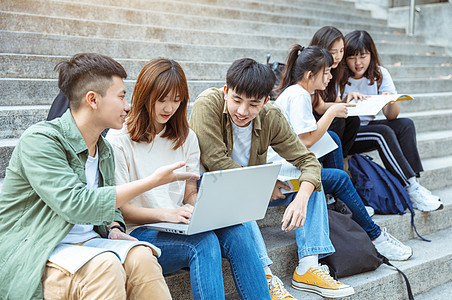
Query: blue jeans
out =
(312, 238)
(334, 159)
(202, 253)
(337, 183)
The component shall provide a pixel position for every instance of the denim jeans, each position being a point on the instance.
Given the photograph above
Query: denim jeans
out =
(312, 238)
(334, 159)
(337, 183)
(202, 253)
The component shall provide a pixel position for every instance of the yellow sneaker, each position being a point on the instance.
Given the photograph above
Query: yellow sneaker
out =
(277, 290)
(318, 280)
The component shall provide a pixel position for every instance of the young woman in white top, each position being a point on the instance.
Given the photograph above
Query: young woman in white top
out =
(308, 70)
(156, 133)
(394, 138)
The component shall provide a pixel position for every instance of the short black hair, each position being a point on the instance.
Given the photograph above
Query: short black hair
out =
(250, 78)
(84, 72)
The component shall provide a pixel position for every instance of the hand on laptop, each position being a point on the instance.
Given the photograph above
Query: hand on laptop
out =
(277, 192)
(180, 215)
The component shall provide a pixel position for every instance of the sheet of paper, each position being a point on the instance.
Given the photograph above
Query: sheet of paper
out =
(373, 104)
(323, 146)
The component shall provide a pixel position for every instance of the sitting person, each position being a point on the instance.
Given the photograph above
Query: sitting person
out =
(156, 133)
(59, 191)
(394, 138)
(235, 126)
(308, 70)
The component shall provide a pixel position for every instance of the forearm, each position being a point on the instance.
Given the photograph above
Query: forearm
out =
(391, 110)
(128, 191)
(306, 189)
(142, 215)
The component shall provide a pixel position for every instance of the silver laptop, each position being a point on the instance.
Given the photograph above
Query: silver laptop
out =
(227, 198)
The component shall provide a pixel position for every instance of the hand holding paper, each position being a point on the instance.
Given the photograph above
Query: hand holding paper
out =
(373, 104)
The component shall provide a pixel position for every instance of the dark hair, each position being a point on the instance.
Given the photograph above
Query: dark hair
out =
(87, 72)
(356, 43)
(157, 79)
(250, 78)
(325, 37)
(302, 60)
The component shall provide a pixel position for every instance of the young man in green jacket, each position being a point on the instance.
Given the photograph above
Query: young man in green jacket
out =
(59, 188)
(235, 126)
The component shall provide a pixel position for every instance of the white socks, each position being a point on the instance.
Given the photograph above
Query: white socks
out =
(267, 271)
(412, 184)
(306, 262)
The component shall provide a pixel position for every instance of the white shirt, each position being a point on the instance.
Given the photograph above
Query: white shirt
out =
(296, 105)
(363, 86)
(241, 143)
(135, 161)
(81, 233)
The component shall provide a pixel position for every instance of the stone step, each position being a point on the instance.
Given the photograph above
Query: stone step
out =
(261, 22)
(15, 119)
(256, 11)
(441, 292)
(54, 44)
(427, 71)
(431, 120)
(420, 85)
(434, 144)
(437, 172)
(428, 268)
(42, 67)
(67, 26)
(427, 101)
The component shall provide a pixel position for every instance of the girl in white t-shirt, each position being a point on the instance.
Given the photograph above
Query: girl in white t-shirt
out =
(308, 70)
(156, 133)
(394, 138)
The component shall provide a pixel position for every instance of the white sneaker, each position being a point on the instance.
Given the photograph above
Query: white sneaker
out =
(391, 247)
(423, 200)
(370, 210)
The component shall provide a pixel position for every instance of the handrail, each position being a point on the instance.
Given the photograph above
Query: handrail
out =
(411, 19)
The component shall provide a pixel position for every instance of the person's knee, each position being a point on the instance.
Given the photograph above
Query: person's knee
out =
(108, 263)
(207, 247)
(142, 258)
(407, 125)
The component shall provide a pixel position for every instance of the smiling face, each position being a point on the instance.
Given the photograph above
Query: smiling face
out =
(242, 109)
(321, 79)
(164, 109)
(359, 64)
(113, 106)
(337, 51)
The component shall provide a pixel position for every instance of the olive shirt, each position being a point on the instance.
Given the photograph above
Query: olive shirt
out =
(211, 122)
(44, 194)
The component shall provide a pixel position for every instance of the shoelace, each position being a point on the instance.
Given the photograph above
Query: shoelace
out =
(279, 289)
(391, 239)
(324, 273)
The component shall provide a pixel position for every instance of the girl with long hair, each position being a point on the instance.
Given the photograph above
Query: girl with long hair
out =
(394, 138)
(156, 133)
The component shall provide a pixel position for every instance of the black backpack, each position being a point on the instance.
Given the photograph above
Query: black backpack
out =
(355, 252)
(277, 69)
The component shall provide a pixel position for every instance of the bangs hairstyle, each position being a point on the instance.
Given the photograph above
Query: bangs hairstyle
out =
(325, 37)
(302, 60)
(359, 42)
(250, 78)
(86, 72)
(159, 78)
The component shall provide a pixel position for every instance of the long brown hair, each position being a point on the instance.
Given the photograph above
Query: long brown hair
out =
(325, 37)
(157, 79)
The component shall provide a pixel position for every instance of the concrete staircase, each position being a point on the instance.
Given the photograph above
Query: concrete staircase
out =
(205, 36)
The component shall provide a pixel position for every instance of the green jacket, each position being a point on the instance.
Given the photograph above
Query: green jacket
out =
(210, 121)
(44, 194)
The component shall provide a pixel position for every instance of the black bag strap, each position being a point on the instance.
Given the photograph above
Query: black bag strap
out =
(407, 282)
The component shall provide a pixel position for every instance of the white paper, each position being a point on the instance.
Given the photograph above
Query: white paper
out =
(73, 257)
(323, 146)
(373, 104)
